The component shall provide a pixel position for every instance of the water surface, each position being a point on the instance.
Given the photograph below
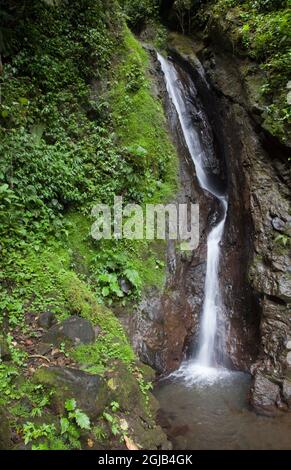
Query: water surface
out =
(214, 414)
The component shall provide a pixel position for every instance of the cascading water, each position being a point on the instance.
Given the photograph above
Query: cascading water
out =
(212, 299)
(204, 363)
(205, 406)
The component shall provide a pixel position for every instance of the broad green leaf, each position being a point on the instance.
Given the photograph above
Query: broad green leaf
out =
(71, 404)
(65, 424)
(82, 420)
(23, 101)
(133, 277)
(105, 291)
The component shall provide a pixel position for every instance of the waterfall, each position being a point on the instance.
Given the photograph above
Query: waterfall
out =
(212, 298)
(204, 362)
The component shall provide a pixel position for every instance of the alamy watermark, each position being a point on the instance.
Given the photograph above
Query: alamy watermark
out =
(155, 221)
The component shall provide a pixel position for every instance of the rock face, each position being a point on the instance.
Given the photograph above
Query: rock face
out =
(264, 394)
(167, 325)
(255, 269)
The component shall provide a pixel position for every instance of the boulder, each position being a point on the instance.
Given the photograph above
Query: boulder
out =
(123, 388)
(4, 349)
(74, 329)
(278, 224)
(89, 391)
(265, 395)
(125, 286)
(46, 319)
(140, 410)
(287, 392)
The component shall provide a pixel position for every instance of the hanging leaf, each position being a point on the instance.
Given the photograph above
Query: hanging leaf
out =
(90, 443)
(65, 424)
(130, 444)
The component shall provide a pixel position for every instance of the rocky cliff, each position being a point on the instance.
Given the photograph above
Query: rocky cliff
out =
(257, 237)
(255, 268)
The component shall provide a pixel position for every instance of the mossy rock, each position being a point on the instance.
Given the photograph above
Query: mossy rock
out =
(150, 439)
(89, 391)
(5, 431)
(124, 388)
(4, 349)
(148, 372)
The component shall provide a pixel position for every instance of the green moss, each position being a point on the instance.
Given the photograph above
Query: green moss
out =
(82, 302)
(140, 121)
(183, 43)
(112, 341)
(79, 241)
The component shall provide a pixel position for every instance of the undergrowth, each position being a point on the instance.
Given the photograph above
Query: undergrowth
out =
(78, 125)
(260, 30)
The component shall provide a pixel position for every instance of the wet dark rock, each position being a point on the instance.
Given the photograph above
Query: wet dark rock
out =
(90, 391)
(255, 269)
(74, 329)
(265, 395)
(125, 286)
(278, 224)
(5, 354)
(46, 319)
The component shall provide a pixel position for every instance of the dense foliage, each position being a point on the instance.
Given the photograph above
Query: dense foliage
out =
(78, 125)
(57, 141)
(139, 12)
(52, 132)
(258, 29)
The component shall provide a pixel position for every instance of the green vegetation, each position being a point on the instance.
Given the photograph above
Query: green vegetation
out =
(60, 436)
(78, 125)
(138, 13)
(259, 29)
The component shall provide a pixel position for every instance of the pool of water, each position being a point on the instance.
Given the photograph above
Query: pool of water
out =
(212, 412)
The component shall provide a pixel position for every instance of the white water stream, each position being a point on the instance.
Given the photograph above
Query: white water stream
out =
(203, 366)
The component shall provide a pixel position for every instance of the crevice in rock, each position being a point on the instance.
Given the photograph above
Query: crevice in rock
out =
(275, 300)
